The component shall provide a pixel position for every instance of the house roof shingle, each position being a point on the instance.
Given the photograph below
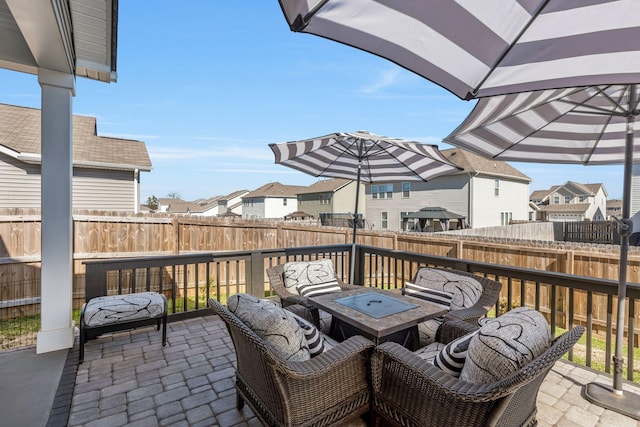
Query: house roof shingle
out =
(20, 133)
(275, 189)
(471, 162)
(325, 186)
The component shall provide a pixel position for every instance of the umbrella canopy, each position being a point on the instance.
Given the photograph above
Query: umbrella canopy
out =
(364, 157)
(588, 125)
(478, 48)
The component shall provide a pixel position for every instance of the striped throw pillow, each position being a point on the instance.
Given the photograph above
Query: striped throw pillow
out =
(315, 340)
(439, 298)
(316, 289)
(452, 357)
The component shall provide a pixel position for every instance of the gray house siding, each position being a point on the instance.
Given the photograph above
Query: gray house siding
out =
(449, 192)
(310, 203)
(116, 190)
(19, 184)
(92, 188)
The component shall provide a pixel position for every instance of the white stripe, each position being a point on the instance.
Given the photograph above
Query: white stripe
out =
(360, 14)
(584, 20)
(591, 65)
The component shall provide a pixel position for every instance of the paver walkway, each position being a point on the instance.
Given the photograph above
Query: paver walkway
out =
(129, 379)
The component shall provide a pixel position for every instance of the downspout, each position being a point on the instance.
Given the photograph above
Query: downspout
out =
(136, 191)
(470, 196)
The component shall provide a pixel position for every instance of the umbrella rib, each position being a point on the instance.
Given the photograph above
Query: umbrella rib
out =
(534, 15)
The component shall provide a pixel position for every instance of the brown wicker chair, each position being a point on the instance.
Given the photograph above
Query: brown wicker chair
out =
(276, 278)
(328, 389)
(409, 391)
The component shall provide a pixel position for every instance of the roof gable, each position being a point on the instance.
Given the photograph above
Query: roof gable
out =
(275, 189)
(325, 186)
(20, 130)
(471, 162)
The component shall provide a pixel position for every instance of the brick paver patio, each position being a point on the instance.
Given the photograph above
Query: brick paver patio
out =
(129, 379)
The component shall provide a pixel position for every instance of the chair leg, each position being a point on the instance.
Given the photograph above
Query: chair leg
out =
(239, 401)
(82, 340)
(164, 329)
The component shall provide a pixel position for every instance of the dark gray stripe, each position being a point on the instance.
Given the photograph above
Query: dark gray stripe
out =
(559, 6)
(602, 42)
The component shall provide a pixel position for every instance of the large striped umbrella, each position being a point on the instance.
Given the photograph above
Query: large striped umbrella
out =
(480, 48)
(364, 157)
(589, 125)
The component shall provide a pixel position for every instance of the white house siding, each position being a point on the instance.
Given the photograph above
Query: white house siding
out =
(635, 189)
(19, 184)
(344, 200)
(274, 208)
(487, 208)
(104, 190)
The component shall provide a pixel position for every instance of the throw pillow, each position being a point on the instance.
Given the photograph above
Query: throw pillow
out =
(505, 344)
(440, 298)
(315, 340)
(466, 290)
(451, 358)
(301, 273)
(276, 326)
(316, 289)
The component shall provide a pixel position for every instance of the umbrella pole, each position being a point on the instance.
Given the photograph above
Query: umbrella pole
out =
(352, 265)
(614, 398)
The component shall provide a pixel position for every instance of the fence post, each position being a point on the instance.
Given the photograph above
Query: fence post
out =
(175, 250)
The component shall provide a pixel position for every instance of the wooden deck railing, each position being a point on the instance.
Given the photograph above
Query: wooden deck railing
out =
(188, 280)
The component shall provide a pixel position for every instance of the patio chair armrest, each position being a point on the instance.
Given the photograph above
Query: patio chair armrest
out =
(452, 329)
(470, 315)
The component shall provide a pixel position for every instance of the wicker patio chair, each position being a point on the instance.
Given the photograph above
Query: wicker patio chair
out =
(410, 391)
(325, 390)
(276, 278)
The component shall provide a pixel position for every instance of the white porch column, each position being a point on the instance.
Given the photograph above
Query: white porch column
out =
(57, 328)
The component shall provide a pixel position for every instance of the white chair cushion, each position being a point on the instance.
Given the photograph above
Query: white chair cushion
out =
(302, 273)
(275, 325)
(505, 344)
(466, 290)
(427, 331)
(440, 298)
(108, 310)
(429, 352)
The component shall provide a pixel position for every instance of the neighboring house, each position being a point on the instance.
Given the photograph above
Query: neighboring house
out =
(331, 196)
(614, 208)
(271, 201)
(165, 202)
(106, 171)
(214, 206)
(571, 201)
(486, 192)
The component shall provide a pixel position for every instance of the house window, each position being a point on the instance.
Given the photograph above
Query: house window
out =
(496, 190)
(505, 218)
(406, 190)
(382, 191)
(556, 200)
(284, 202)
(567, 199)
(325, 199)
(384, 220)
(582, 198)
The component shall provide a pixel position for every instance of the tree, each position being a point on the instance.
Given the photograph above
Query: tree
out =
(173, 195)
(152, 203)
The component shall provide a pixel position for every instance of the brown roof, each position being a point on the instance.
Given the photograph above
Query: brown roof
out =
(471, 162)
(325, 186)
(275, 189)
(566, 208)
(20, 132)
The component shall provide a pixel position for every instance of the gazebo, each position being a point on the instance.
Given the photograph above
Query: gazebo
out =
(432, 219)
(57, 41)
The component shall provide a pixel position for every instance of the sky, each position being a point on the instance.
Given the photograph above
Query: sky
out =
(207, 85)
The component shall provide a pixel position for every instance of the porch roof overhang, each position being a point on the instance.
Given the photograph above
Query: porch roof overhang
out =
(77, 37)
(433, 213)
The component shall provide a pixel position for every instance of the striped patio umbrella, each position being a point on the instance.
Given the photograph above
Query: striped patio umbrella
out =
(364, 157)
(482, 48)
(592, 125)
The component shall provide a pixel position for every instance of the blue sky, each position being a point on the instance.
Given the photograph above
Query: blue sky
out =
(207, 85)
